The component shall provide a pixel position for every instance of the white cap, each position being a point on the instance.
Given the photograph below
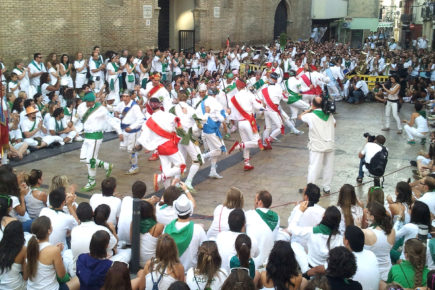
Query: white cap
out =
(202, 88)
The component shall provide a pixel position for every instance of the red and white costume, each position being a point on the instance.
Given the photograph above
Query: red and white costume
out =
(159, 92)
(272, 97)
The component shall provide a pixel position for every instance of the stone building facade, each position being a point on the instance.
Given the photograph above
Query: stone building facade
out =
(69, 26)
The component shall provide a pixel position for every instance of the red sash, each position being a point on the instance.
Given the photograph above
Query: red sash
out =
(149, 110)
(274, 107)
(269, 102)
(171, 146)
(308, 83)
(249, 117)
(154, 90)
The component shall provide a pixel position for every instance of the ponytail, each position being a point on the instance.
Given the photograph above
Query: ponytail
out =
(383, 220)
(39, 229)
(416, 255)
(243, 248)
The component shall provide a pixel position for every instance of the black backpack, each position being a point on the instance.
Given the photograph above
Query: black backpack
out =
(378, 163)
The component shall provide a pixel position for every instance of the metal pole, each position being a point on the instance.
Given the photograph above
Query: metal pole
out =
(135, 237)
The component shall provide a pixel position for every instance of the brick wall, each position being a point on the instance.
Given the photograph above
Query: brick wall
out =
(69, 26)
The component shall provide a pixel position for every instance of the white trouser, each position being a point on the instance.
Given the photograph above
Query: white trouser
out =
(193, 151)
(334, 92)
(172, 166)
(296, 107)
(130, 141)
(273, 124)
(215, 146)
(321, 161)
(46, 139)
(301, 256)
(67, 81)
(249, 138)
(308, 98)
(80, 80)
(392, 107)
(88, 152)
(413, 132)
(71, 135)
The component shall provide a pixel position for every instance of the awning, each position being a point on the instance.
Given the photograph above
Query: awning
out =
(385, 24)
(364, 24)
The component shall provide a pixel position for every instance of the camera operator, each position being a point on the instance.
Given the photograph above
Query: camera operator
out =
(373, 146)
(392, 102)
(321, 142)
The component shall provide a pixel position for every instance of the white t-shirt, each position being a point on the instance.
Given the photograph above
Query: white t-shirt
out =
(367, 272)
(363, 86)
(113, 202)
(429, 199)
(14, 214)
(220, 221)
(198, 282)
(61, 223)
(165, 214)
(125, 217)
(369, 150)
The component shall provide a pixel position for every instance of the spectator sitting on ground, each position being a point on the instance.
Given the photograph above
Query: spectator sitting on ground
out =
(108, 187)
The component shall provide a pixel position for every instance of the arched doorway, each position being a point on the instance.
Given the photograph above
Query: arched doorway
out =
(163, 36)
(280, 19)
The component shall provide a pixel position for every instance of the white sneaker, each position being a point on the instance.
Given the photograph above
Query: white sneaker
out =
(132, 171)
(62, 143)
(215, 175)
(78, 139)
(297, 132)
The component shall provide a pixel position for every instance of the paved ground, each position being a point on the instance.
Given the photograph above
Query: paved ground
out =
(282, 171)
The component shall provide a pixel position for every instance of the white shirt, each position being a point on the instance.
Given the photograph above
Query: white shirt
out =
(151, 140)
(257, 229)
(363, 86)
(247, 101)
(311, 217)
(226, 246)
(220, 221)
(321, 134)
(275, 95)
(193, 280)
(165, 214)
(367, 271)
(35, 81)
(429, 199)
(357, 213)
(61, 223)
(98, 120)
(369, 150)
(81, 236)
(134, 118)
(156, 64)
(113, 202)
(125, 217)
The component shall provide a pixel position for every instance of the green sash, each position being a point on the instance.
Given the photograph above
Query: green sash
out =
(35, 65)
(97, 62)
(258, 84)
(322, 229)
(321, 115)
(185, 136)
(146, 225)
(144, 83)
(33, 127)
(66, 68)
(270, 218)
(90, 111)
(164, 206)
(58, 127)
(21, 70)
(432, 248)
(66, 112)
(199, 103)
(230, 88)
(294, 97)
(115, 67)
(182, 237)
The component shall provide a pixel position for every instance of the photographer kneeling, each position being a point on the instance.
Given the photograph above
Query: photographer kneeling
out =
(372, 147)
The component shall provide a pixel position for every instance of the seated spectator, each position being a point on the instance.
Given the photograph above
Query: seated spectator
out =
(165, 212)
(341, 267)
(243, 259)
(13, 257)
(351, 211)
(425, 162)
(150, 231)
(59, 181)
(402, 205)
(162, 270)
(81, 235)
(61, 223)
(208, 273)
(418, 118)
(321, 238)
(367, 271)
(380, 236)
(118, 277)
(233, 199)
(58, 126)
(239, 279)
(101, 216)
(281, 269)
(358, 91)
(179, 285)
(108, 187)
(411, 272)
(35, 199)
(92, 268)
(44, 267)
(428, 197)
(187, 235)
(262, 224)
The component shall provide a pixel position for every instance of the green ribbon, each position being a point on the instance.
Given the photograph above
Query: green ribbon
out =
(270, 218)
(66, 68)
(230, 88)
(258, 84)
(422, 113)
(90, 111)
(322, 229)
(146, 225)
(58, 127)
(182, 237)
(294, 97)
(321, 115)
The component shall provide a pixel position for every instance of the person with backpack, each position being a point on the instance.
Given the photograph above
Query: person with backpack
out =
(374, 157)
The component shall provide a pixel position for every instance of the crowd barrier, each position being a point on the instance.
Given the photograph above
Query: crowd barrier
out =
(370, 80)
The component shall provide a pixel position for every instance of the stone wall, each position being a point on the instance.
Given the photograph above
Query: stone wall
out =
(69, 26)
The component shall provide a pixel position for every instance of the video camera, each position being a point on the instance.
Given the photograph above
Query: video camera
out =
(370, 138)
(328, 105)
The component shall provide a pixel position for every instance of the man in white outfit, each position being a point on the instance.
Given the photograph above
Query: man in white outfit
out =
(132, 119)
(294, 99)
(244, 105)
(321, 143)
